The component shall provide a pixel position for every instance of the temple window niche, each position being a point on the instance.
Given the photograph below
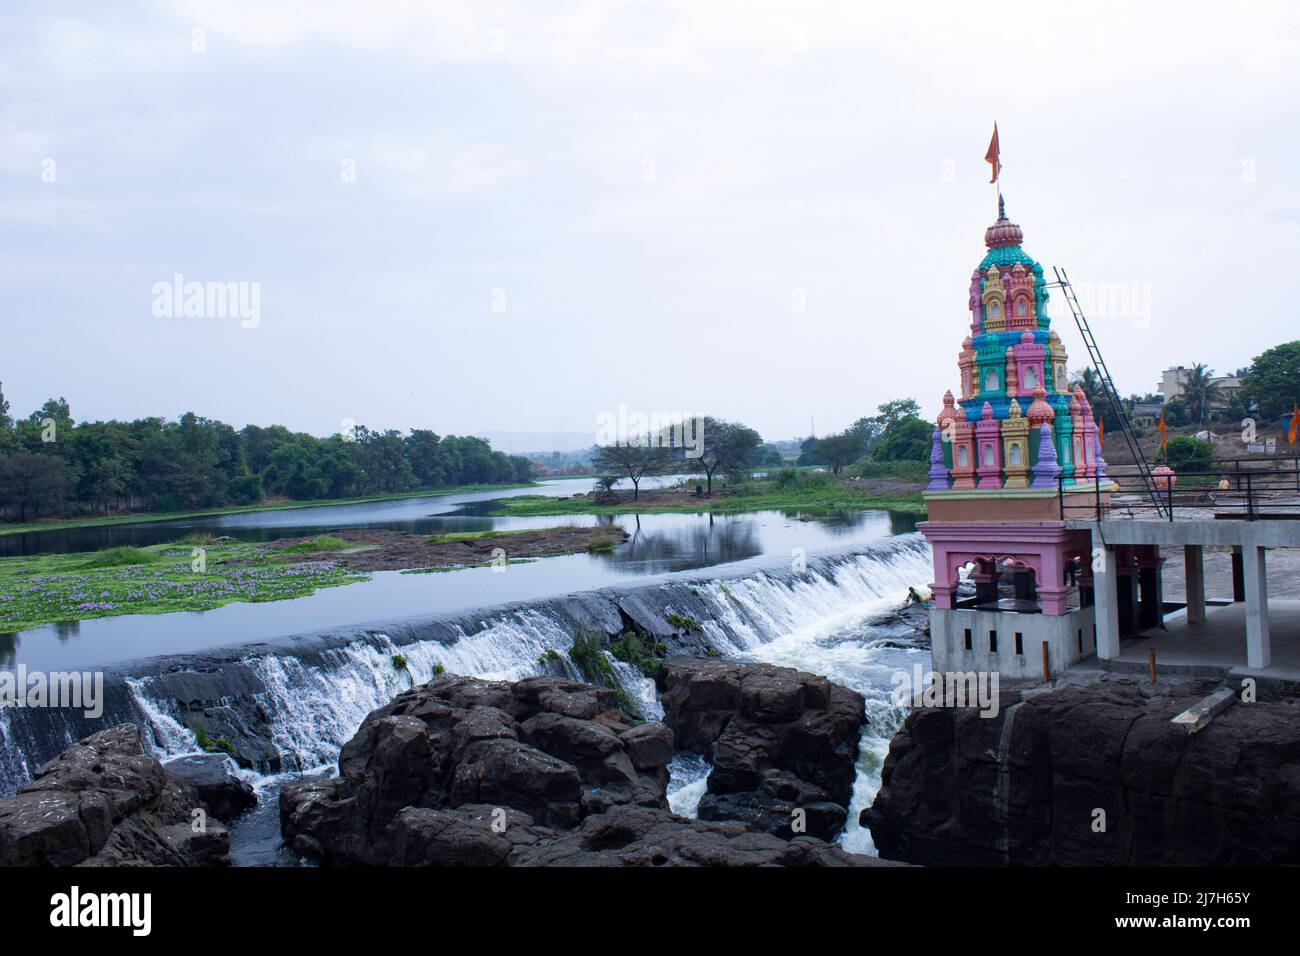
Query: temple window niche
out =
(1031, 378)
(991, 381)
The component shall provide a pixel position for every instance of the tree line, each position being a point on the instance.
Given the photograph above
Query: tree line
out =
(729, 448)
(53, 466)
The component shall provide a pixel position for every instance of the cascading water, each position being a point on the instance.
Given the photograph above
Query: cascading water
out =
(313, 693)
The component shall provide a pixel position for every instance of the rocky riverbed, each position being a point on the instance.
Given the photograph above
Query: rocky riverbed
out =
(543, 771)
(547, 771)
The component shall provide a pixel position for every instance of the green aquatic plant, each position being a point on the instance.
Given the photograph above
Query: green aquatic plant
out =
(683, 623)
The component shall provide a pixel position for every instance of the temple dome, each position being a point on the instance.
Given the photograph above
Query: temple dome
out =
(1004, 232)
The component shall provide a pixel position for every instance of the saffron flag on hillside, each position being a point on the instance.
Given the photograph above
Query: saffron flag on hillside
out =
(1160, 427)
(992, 157)
(1295, 423)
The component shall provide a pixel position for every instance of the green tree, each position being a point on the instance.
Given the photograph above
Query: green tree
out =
(727, 446)
(906, 440)
(1272, 383)
(838, 450)
(1200, 393)
(633, 460)
(32, 485)
(1176, 412)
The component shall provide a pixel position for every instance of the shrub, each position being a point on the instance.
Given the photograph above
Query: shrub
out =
(399, 661)
(1188, 455)
(640, 652)
(910, 470)
(120, 557)
(322, 542)
(588, 655)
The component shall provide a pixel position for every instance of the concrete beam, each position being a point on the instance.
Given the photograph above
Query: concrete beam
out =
(1194, 573)
(1106, 592)
(1199, 715)
(1258, 650)
(1223, 532)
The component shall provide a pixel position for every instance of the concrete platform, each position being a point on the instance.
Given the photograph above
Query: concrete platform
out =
(1220, 642)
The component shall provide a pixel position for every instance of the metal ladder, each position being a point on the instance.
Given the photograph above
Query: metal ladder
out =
(1108, 386)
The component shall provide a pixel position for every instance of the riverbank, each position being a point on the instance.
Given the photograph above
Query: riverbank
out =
(817, 496)
(382, 550)
(65, 524)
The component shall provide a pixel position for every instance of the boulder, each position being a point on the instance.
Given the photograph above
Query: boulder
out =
(780, 741)
(212, 777)
(1024, 787)
(105, 802)
(545, 748)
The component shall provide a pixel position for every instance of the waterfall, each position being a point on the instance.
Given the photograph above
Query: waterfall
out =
(312, 691)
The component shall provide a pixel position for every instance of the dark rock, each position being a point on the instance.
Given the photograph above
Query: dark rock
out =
(544, 748)
(212, 778)
(640, 836)
(543, 772)
(780, 741)
(1022, 788)
(105, 802)
(203, 698)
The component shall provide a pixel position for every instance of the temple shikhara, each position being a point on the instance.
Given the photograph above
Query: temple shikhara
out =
(1011, 451)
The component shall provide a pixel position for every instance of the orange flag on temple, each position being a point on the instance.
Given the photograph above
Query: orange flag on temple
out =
(1101, 430)
(1161, 428)
(991, 157)
(1295, 423)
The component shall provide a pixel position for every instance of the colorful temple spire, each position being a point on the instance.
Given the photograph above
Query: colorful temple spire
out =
(1013, 382)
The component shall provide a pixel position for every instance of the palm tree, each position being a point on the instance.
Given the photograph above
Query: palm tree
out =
(1089, 381)
(1200, 393)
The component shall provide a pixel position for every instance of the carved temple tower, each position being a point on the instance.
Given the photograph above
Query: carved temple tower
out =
(1009, 456)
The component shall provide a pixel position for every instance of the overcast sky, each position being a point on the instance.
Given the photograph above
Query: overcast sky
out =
(561, 208)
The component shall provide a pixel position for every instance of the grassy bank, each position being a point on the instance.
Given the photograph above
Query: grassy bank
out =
(802, 491)
(66, 587)
(57, 524)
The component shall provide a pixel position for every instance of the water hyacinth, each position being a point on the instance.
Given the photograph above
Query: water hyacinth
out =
(63, 590)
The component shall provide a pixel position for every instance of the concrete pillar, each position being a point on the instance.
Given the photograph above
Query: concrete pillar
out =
(1106, 591)
(1258, 649)
(1126, 585)
(1151, 607)
(1194, 573)
(986, 584)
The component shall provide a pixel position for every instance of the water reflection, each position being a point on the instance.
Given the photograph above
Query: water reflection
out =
(426, 514)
